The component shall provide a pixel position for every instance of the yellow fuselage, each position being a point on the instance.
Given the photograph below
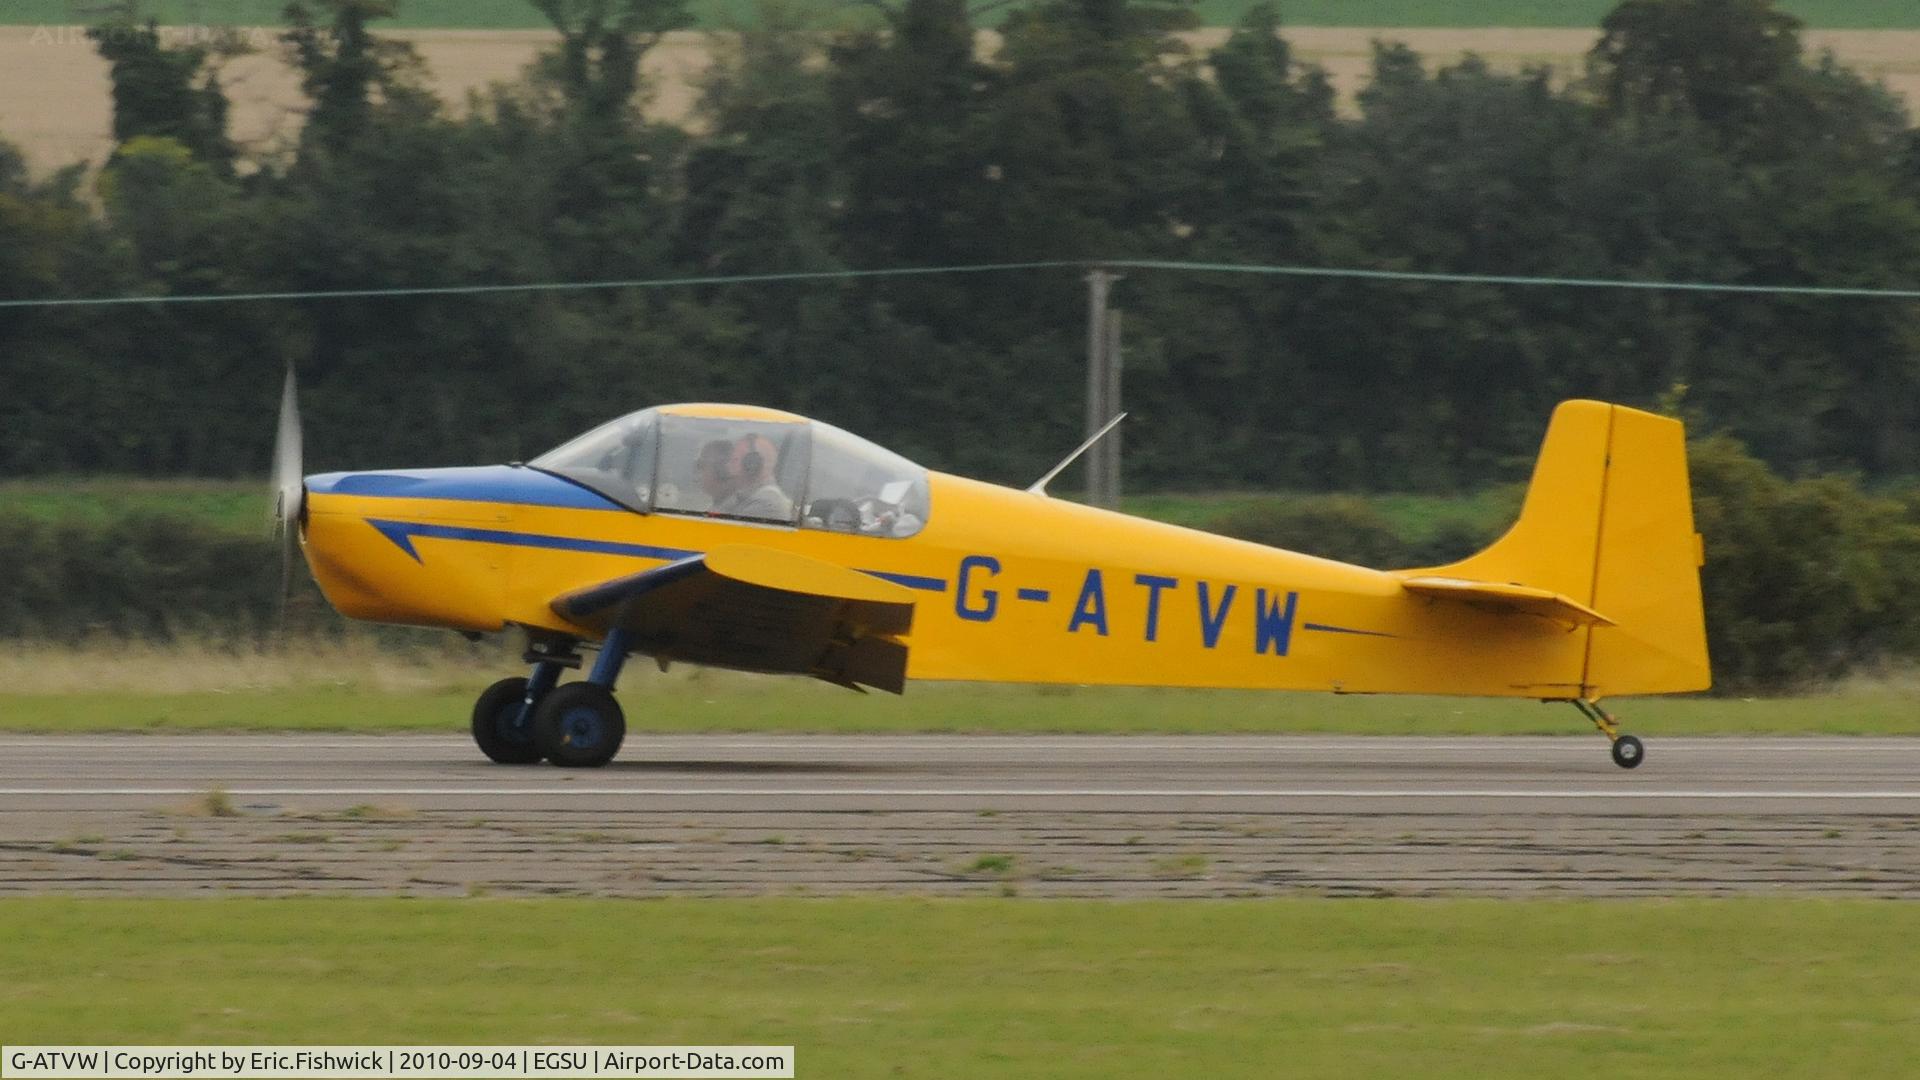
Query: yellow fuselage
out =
(1010, 586)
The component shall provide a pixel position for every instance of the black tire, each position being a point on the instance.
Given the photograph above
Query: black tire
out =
(497, 729)
(579, 726)
(1628, 753)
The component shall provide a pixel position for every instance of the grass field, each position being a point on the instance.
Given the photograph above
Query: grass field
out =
(955, 989)
(359, 687)
(518, 14)
(235, 505)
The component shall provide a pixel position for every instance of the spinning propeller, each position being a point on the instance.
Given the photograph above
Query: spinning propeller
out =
(289, 492)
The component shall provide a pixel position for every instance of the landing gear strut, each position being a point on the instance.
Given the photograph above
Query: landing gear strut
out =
(1627, 751)
(580, 725)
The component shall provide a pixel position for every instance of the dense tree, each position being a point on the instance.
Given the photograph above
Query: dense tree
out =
(761, 189)
(911, 108)
(1813, 193)
(1090, 139)
(1726, 63)
(162, 92)
(346, 69)
(1271, 118)
(602, 42)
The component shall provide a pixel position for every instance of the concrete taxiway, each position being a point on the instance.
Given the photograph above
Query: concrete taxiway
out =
(1043, 815)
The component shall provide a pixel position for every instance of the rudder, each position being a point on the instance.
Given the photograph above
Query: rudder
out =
(1646, 576)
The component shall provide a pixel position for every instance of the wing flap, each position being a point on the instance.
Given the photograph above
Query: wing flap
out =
(1507, 597)
(755, 609)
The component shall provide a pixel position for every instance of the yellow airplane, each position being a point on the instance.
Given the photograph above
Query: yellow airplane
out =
(753, 539)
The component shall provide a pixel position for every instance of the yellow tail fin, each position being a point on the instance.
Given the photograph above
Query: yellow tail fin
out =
(1608, 524)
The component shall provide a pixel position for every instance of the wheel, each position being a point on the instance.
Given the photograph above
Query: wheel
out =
(497, 726)
(579, 726)
(1628, 753)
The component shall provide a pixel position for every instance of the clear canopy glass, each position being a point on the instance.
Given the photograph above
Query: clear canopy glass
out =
(786, 472)
(615, 459)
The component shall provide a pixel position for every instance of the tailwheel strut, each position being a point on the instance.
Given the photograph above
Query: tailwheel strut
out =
(1628, 753)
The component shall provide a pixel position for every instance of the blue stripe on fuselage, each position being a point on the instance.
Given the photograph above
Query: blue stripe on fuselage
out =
(403, 533)
(911, 581)
(1326, 629)
(485, 483)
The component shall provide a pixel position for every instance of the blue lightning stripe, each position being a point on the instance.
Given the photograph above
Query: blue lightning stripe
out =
(1325, 629)
(403, 534)
(911, 581)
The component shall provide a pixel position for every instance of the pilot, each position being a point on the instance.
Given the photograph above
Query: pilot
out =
(714, 470)
(750, 476)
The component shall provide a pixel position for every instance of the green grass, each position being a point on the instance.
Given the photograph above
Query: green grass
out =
(518, 14)
(240, 506)
(722, 703)
(1005, 988)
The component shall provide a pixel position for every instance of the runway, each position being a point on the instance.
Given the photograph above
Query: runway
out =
(1043, 815)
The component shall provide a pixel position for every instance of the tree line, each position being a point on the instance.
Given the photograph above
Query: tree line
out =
(1701, 142)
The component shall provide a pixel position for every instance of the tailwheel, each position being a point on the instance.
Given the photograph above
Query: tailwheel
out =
(502, 726)
(1628, 753)
(579, 726)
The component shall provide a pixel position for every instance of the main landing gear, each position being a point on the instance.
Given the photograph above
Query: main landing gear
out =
(520, 721)
(1627, 751)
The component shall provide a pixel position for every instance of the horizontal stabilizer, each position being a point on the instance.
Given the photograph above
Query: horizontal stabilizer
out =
(1518, 599)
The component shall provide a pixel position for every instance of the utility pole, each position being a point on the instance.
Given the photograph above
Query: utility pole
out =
(1110, 446)
(1103, 390)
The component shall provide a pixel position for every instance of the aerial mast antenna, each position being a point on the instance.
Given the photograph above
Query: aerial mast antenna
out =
(1040, 486)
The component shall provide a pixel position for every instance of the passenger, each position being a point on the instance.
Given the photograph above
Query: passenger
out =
(754, 493)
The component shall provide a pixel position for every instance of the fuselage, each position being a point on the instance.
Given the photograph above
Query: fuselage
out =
(1009, 586)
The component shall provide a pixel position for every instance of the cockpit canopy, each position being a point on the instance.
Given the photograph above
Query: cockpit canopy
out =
(747, 465)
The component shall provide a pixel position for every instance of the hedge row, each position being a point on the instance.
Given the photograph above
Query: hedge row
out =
(1805, 580)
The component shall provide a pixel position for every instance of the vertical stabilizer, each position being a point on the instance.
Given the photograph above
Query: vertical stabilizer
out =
(1608, 523)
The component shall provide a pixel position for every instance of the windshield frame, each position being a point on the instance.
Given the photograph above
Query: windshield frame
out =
(606, 483)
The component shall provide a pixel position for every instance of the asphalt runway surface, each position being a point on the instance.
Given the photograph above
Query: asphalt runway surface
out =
(1041, 815)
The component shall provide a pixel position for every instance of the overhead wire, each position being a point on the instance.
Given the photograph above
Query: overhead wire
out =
(1283, 270)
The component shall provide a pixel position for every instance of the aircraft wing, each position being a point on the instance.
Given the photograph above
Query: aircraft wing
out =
(757, 609)
(1499, 596)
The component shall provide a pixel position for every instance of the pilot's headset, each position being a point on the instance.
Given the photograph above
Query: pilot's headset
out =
(753, 463)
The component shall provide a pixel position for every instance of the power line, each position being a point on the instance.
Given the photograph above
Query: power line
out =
(1828, 291)
(535, 287)
(1522, 279)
